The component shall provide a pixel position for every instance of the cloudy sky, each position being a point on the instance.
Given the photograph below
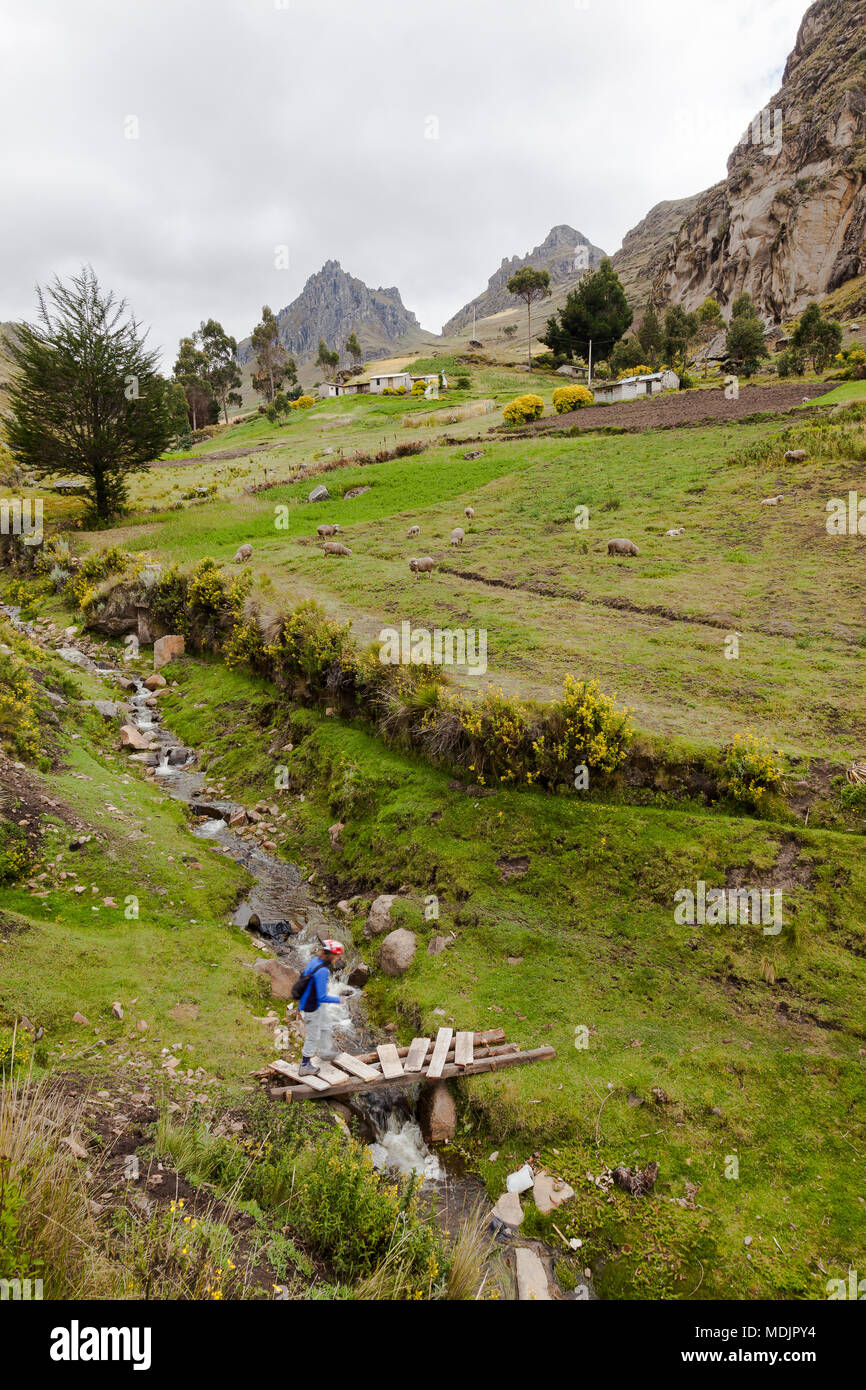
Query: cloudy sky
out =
(207, 156)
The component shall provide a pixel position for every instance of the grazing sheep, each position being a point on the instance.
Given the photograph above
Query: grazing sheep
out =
(244, 553)
(678, 531)
(795, 456)
(457, 535)
(336, 548)
(622, 547)
(469, 513)
(773, 501)
(413, 531)
(424, 564)
(328, 530)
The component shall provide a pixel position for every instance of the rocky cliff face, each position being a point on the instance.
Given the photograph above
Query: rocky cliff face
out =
(564, 254)
(788, 222)
(645, 248)
(334, 304)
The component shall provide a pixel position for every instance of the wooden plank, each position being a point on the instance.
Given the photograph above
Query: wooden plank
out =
(416, 1054)
(284, 1068)
(333, 1075)
(463, 1049)
(357, 1068)
(476, 1068)
(440, 1052)
(481, 1054)
(314, 1082)
(391, 1064)
(484, 1039)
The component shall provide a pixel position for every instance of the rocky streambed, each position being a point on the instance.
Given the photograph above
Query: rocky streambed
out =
(287, 922)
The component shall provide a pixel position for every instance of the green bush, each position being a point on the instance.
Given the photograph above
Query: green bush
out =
(349, 1213)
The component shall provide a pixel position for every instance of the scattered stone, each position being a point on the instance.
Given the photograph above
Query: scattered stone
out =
(437, 1113)
(282, 977)
(379, 916)
(107, 708)
(531, 1276)
(397, 951)
(155, 682)
(77, 1150)
(117, 1009)
(550, 1193)
(358, 976)
(73, 657)
(319, 494)
(508, 1210)
(130, 737)
(79, 1018)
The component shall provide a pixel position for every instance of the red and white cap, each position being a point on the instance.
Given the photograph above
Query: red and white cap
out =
(335, 948)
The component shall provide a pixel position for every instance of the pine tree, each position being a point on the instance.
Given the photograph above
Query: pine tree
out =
(86, 397)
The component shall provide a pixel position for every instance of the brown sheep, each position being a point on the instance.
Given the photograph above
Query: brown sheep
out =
(457, 535)
(328, 530)
(336, 548)
(424, 564)
(622, 547)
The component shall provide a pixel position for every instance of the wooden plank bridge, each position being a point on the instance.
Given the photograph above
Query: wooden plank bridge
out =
(450, 1054)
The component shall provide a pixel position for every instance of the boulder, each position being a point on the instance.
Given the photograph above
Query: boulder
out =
(130, 737)
(155, 682)
(165, 650)
(379, 916)
(437, 1113)
(550, 1193)
(509, 1210)
(531, 1276)
(319, 494)
(107, 708)
(282, 977)
(73, 657)
(179, 757)
(358, 976)
(397, 951)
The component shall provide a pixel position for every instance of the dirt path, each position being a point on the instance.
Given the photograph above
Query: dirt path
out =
(682, 408)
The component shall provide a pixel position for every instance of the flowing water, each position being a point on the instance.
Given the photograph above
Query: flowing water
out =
(280, 909)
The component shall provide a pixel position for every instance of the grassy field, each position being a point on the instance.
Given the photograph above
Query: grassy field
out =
(730, 1057)
(653, 629)
(704, 1044)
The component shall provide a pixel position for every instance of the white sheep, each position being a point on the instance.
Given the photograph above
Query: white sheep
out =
(413, 531)
(457, 535)
(424, 564)
(773, 501)
(336, 548)
(469, 513)
(327, 530)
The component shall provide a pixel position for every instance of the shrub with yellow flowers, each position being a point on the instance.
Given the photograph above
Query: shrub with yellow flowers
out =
(523, 409)
(752, 768)
(567, 398)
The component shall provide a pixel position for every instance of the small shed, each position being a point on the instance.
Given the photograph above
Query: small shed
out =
(631, 388)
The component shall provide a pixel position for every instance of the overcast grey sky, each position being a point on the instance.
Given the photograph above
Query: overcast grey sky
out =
(307, 124)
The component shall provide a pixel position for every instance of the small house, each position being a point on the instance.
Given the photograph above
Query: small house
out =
(631, 388)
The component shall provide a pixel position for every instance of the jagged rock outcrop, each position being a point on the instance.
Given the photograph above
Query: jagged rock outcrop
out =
(564, 254)
(788, 223)
(334, 304)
